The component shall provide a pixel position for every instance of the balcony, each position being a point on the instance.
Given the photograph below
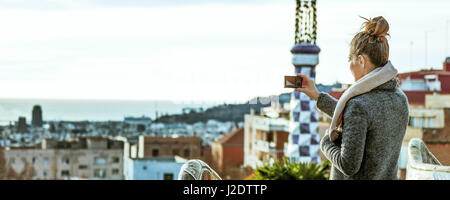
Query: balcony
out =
(268, 147)
(270, 124)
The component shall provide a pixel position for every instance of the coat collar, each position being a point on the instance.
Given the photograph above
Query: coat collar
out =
(389, 85)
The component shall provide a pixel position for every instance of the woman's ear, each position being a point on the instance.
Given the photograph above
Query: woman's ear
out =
(361, 60)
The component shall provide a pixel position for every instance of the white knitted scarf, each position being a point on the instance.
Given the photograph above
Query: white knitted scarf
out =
(368, 82)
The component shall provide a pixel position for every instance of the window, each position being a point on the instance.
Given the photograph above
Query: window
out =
(422, 122)
(168, 176)
(431, 122)
(65, 173)
(187, 153)
(155, 152)
(115, 171)
(34, 160)
(100, 173)
(416, 121)
(45, 161)
(175, 152)
(45, 174)
(115, 159)
(140, 127)
(82, 166)
(270, 137)
(100, 161)
(65, 161)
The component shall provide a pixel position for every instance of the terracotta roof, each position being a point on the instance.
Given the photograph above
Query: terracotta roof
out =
(234, 137)
(444, 77)
(416, 97)
(336, 93)
(420, 74)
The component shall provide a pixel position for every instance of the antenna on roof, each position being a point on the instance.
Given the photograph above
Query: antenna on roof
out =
(426, 46)
(446, 36)
(410, 53)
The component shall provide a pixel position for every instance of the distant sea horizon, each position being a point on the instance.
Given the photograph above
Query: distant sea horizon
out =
(91, 110)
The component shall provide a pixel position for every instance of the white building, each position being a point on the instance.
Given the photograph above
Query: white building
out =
(154, 168)
(265, 139)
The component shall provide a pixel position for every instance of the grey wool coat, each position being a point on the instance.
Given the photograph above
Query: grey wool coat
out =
(374, 124)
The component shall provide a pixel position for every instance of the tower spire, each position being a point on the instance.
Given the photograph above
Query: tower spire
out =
(303, 142)
(305, 22)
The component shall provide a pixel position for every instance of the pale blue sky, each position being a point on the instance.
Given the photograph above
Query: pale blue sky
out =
(213, 50)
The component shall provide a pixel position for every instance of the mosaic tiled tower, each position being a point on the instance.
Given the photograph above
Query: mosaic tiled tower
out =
(303, 143)
(303, 139)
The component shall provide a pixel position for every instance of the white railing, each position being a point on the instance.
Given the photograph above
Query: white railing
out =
(197, 170)
(423, 165)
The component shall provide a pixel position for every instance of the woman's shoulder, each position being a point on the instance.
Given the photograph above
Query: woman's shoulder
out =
(378, 98)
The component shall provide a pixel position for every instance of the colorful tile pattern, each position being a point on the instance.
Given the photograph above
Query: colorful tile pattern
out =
(304, 140)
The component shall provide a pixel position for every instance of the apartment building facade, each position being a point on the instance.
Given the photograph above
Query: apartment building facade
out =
(89, 158)
(265, 139)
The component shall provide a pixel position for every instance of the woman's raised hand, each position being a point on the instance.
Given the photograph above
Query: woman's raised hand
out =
(308, 87)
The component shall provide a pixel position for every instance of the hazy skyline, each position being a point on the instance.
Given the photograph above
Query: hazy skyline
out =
(192, 50)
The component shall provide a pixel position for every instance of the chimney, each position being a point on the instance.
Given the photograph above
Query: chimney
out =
(447, 64)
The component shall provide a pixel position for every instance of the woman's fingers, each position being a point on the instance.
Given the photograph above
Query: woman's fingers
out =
(301, 75)
(300, 89)
(305, 78)
(309, 88)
